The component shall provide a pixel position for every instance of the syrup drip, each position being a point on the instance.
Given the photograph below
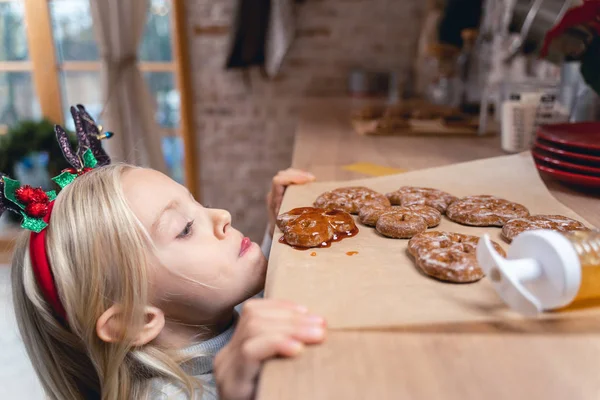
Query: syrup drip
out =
(313, 254)
(336, 238)
(351, 253)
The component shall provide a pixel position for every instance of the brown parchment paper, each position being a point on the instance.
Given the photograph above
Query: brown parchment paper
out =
(380, 287)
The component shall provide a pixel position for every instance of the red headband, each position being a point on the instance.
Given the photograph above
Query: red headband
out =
(35, 205)
(41, 267)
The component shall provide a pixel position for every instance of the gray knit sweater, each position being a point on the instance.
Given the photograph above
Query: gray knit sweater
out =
(201, 367)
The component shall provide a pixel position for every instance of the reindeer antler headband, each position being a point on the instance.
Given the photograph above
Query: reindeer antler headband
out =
(35, 205)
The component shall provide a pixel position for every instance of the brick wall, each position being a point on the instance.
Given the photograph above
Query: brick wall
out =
(245, 124)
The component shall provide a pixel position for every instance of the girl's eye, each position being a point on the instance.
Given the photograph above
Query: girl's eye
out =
(187, 231)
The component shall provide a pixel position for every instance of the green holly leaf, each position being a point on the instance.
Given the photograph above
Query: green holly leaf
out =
(33, 224)
(89, 160)
(64, 179)
(10, 186)
(51, 195)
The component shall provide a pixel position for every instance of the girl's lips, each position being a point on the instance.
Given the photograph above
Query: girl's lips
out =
(246, 243)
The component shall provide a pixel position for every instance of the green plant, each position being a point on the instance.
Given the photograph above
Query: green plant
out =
(28, 137)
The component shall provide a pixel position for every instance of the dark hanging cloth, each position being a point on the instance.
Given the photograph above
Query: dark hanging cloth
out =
(458, 15)
(249, 40)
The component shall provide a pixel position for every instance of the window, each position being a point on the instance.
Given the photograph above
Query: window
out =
(78, 61)
(71, 46)
(17, 96)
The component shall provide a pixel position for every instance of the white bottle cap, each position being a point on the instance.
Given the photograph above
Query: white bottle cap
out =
(542, 271)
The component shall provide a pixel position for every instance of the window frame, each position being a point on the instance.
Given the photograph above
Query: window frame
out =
(45, 70)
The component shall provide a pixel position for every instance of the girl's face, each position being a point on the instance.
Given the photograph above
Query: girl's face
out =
(206, 267)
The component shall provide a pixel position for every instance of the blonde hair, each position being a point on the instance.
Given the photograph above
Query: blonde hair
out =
(99, 253)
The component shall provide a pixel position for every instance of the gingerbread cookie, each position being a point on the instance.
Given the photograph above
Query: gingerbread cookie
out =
(558, 223)
(410, 195)
(315, 227)
(434, 240)
(350, 199)
(391, 125)
(448, 256)
(485, 211)
(369, 113)
(369, 215)
(398, 111)
(400, 225)
(405, 222)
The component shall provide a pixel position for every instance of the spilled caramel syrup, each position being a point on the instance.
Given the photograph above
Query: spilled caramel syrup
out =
(351, 253)
(313, 254)
(336, 238)
(333, 221)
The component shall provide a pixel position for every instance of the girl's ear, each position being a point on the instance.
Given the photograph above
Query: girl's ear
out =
(110, 329)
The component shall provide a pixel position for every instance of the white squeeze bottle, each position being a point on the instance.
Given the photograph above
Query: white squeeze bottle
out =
(545, 270)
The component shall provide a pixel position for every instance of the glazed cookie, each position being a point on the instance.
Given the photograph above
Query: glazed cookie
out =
(398, 111)
(448, 256)
(369, 215)
(554, 222)
(369, 113)
(405, 222)
(399, 225)
(485, 211)
(434, 240)
(431, 216)
(410, 195)
(314, 227)
(351, 199)
(453, 264)
(341, 222)
(391, 125)
(308, 230)
(283, 220)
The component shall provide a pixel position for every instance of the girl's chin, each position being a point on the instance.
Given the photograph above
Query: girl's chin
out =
(262, 273)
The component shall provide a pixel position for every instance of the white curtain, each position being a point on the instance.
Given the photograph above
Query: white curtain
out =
(280, 34)
(128, 104)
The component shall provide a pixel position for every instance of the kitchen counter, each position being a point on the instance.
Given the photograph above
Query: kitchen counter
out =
(493, 361)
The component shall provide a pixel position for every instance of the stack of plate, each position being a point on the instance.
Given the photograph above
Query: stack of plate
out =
(570, 153)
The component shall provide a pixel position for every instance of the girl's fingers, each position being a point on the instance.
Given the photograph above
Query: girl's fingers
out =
(259, 349)
(254, 351)
(266, 316)
(286, 180)
(290, 176)
(308, 329)
(261, 304)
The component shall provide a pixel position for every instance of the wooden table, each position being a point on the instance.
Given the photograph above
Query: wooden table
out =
(492, 362)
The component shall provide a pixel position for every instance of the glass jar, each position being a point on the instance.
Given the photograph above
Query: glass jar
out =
(545, 270)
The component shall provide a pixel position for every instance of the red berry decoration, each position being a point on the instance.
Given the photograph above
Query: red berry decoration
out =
(77, 172)
(36, 210)
(25, 194)
(39, 196)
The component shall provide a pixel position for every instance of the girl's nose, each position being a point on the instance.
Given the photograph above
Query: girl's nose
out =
(222, 222)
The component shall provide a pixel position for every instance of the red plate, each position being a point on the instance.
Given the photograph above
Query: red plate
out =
(584, 136)
(584, 181)
(579, 158)
(541, 155)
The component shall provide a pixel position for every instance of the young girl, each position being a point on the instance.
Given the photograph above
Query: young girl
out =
(140, 295)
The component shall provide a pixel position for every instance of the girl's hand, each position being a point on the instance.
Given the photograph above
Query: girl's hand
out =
(280, 182)
(266, 329)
